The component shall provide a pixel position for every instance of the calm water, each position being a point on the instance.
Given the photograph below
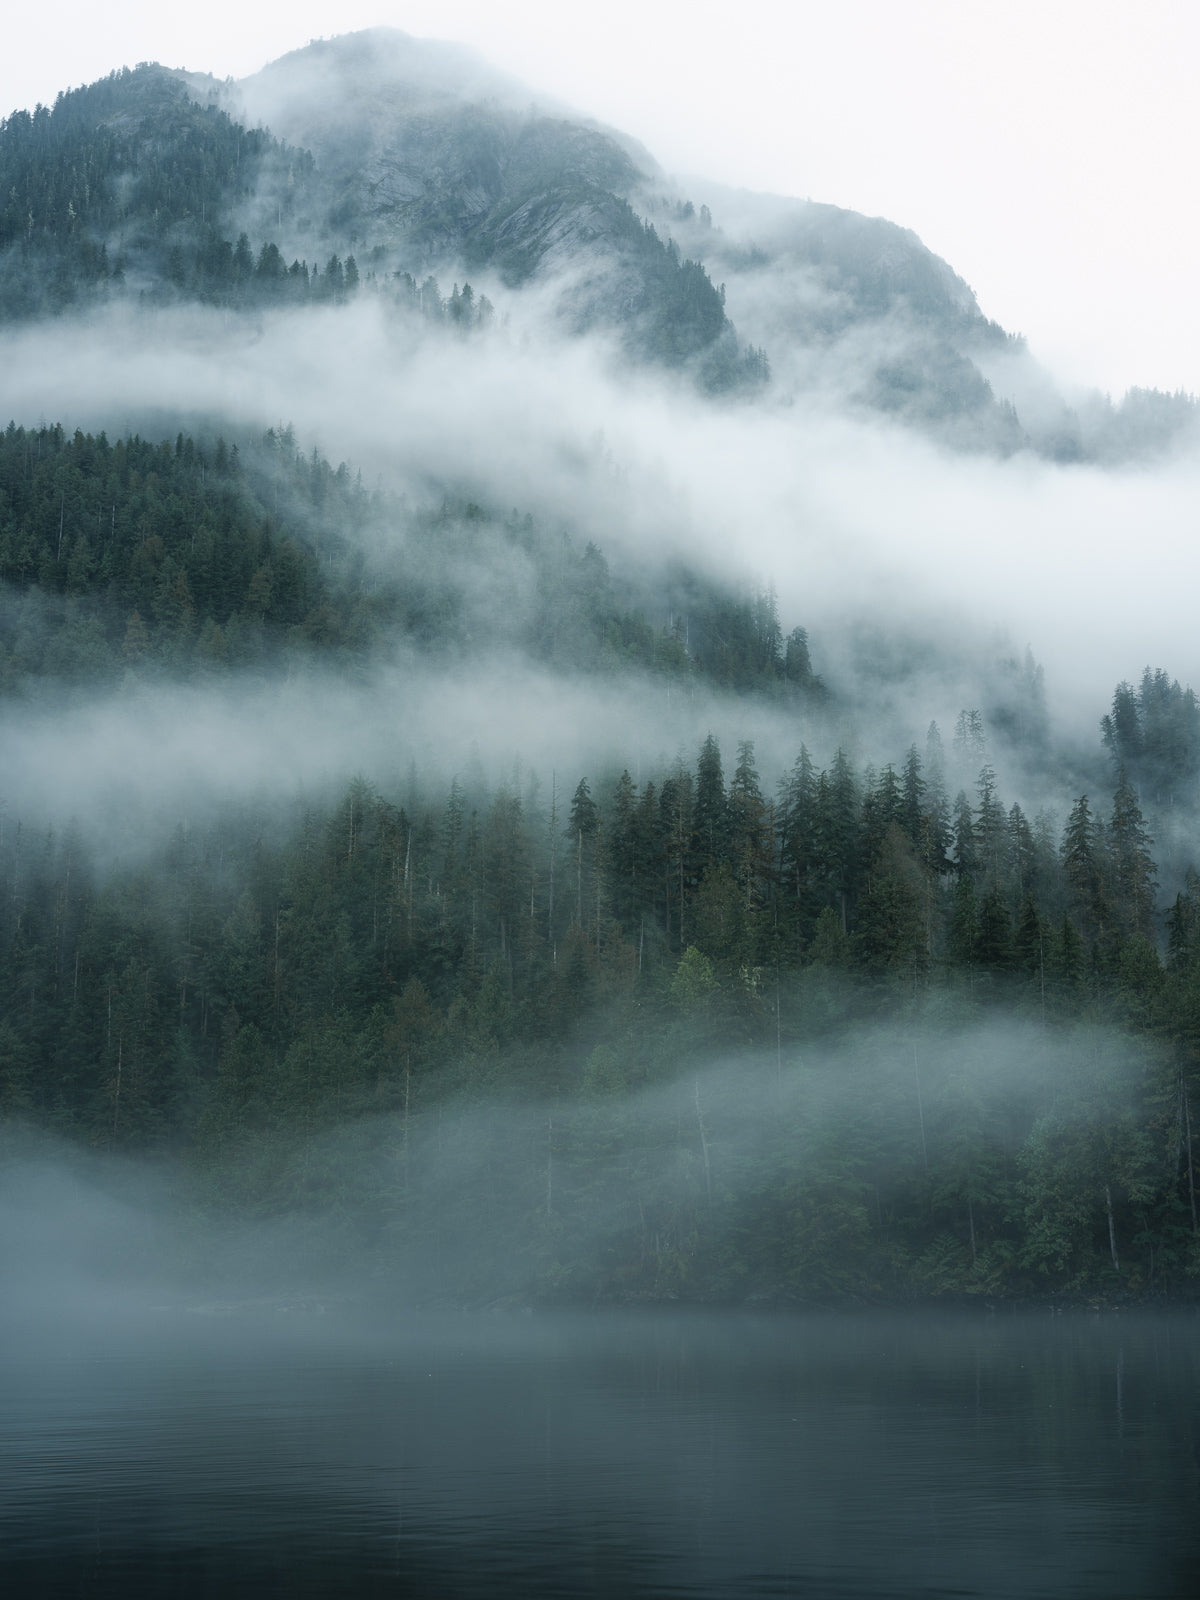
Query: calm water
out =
(288, 1453)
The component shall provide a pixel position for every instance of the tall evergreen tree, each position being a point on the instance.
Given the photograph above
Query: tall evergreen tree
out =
(991, 833)
(799, 874)
(750, 833)
(711, 815)
(837, 833)
(1134, 872)
(581, 828)
(1081, 867)
(912, 804)
(966, 852)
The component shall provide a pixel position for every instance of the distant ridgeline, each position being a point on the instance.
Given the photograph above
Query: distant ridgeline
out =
(177, 560)
(303, 1011)
(129, 186)
(131, 190)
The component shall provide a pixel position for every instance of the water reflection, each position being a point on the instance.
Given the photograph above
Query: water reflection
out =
(598, 1454)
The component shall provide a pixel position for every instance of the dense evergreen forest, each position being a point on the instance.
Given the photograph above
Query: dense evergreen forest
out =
(837, 1023)
(180, 561)
(854, 1035)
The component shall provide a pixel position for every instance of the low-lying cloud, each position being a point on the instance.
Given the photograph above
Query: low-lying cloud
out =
(850, 520)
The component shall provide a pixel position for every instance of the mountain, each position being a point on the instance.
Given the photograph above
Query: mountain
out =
(477, 621)
(133, 183)
(413, 159)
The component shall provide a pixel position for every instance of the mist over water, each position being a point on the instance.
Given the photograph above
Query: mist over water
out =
(597, 1453)
(188, 1402)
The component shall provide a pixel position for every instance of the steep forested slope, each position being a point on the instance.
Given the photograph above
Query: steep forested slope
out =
(963, 1064)
(160, 184)
(182, 560)
(855, 1016)
(127, 184)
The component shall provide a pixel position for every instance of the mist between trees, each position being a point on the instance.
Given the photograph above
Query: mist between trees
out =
(671, 1038)
(869, 1032)
(896, 1019)
(184, 560)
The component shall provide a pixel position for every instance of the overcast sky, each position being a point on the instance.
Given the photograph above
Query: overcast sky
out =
(1046, 148)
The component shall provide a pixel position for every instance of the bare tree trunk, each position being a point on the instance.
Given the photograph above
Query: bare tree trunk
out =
(1112, 1228)
(117, 1094)
(553, 838)
(703, 1144)
(778, 1037)
(681, 848)
(404, 1125)
(1042, 971)
(1187, 1133)
(920, 1111)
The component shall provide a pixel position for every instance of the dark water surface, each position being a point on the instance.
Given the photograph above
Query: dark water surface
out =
(275, 1452)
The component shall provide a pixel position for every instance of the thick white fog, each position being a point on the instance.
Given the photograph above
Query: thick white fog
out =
(93, 1238)
(849, 518)
(872, 534)
(131, 767)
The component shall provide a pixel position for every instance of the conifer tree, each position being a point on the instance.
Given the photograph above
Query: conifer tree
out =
(581, 827)
(711, 816)
(799, 876)
(749, 831)
(1081, 867)
(936, 836)
(912, 804)
(837, 833)
(966, 855)
(991, 833)
(1134, 872)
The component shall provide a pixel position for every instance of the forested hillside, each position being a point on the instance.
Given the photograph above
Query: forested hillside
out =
(183, 561)
(579, 951)
(645, 936)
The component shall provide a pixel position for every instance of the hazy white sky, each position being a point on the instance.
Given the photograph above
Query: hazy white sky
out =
(1045, 147)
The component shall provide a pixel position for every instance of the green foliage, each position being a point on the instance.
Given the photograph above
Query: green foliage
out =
(374, 962)
(402, 959)
(191, 559)
(130, 177)
(1153, 735)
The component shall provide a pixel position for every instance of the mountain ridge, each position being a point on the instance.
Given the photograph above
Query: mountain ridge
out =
(412, 157)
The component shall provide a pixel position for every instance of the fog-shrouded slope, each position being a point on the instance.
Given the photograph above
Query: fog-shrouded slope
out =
(127, 187)
(133, 185)
(440, 162)
(459, 847)
(359, 158)
(452, 163)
